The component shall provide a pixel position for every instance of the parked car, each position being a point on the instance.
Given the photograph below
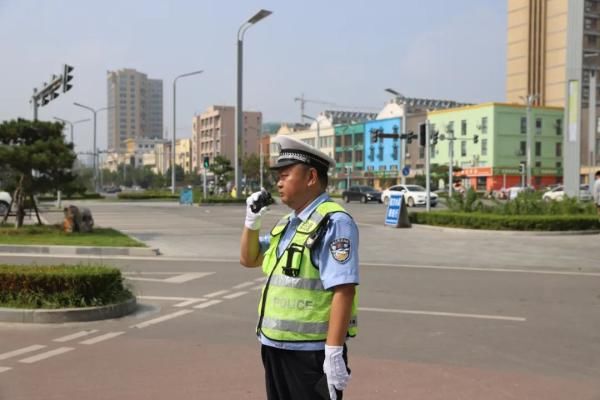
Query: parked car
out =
(5, 200)
(558, 193)
(413, 195)
(362, 193)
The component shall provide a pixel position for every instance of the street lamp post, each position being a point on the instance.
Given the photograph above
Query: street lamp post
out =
(318, 145)
(239, 126)
(402, 152)
(95, 155)
(173, 161)
(71, 123)
(529, 102)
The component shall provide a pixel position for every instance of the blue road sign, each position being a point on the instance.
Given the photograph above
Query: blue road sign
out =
(392, 216)
(406, 170)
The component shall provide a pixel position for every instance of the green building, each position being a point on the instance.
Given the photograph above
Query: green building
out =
(490, 144)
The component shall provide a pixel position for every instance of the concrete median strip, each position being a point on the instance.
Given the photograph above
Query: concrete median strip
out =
(68, 314)
(78, 250)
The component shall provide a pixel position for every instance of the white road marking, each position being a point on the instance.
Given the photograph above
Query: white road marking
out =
(4, 369)
(164, 298)
(75, 336)
(208, 304)
(102, 338)
(522, 271)
(188, 302)
(187, 277)
(243, 285)
(215, 294)
(234, 295)
(260, 279)
(444, 314)
(259, 287)
(24, 350)
(46, 355)
(130, 278)
(162, 319)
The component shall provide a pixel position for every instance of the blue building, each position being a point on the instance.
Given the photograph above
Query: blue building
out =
(383, 159)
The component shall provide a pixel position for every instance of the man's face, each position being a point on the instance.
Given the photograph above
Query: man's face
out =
(293, 183)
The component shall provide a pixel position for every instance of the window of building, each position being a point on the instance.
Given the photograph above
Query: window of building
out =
(395, 152)
(558, 126)
(382, 167)
(558, 151)
(538, 126)
(484, 125)
(372, 153)
(463, 127)
(522, 148)
(538, 164)
(380, 153)
(484, 147)
(559, 164)
(421, 152)
(538, 149)
(523, 125)
(463, 148)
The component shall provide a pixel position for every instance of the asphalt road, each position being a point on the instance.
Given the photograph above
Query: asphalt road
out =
(444, 314)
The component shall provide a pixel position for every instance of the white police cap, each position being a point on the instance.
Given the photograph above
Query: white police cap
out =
(293, 151)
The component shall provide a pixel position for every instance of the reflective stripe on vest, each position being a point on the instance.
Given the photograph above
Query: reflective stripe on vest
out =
(296, 307)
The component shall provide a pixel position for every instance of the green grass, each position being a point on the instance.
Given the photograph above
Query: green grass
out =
(53, 235)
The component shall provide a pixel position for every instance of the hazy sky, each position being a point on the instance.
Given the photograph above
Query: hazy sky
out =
(344, 52)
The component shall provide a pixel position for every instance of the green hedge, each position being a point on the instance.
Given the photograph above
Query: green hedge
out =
(221, 200)
(60, 286)
(476, 220)
(146, 195)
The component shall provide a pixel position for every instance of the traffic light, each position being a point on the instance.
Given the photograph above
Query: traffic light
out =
(435, 137)
(67, 77)
(422, 135)
(374, 136)
(476, 139)
(410, 137)
(206, 162)
(522, 167)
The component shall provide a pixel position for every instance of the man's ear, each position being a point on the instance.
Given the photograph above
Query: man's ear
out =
(313, 178)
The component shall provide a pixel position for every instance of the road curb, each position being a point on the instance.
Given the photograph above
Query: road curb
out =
(57, 316)
(79, 250)
(506, 232)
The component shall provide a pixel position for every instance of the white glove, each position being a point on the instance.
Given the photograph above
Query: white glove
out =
(335, 369)
(254, 220)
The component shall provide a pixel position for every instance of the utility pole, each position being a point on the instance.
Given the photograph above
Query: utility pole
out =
(528, 132)
(451, 164)
(427, 167)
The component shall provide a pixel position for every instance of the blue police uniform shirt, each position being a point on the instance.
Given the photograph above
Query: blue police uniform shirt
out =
(332, 271)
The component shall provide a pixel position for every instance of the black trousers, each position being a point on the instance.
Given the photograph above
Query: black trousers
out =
(296, 375)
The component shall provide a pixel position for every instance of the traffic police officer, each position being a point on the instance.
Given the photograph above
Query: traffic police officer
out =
(308, 303)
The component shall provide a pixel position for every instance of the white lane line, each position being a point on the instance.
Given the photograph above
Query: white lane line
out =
(24, 350)
(164, 298)
(187, 277)
(444, 314)
(75, 336)
(4, 369)
(260, 279)
(130, 278)
(509, 270)
(243, 285)
(47, 354)
(208, 304)
(161, 319)
(102, 338)
(188, 302)
(234, 295)
(215, 294)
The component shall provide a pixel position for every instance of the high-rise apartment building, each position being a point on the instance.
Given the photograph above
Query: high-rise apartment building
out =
(214, 134)
(135, 107)
(537, 54)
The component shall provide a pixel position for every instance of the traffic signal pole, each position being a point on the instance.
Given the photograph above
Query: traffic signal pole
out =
(427, 167)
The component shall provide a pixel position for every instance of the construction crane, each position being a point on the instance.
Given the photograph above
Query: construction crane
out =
(303, 101)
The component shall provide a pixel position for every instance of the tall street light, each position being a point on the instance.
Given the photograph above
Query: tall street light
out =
(175, 125)
(95, 163)
(318, 146)
(402, 151)
(239, 126)
(71, 123)
(529, 100)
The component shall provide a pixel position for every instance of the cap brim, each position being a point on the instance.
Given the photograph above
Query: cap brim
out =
(284, 163)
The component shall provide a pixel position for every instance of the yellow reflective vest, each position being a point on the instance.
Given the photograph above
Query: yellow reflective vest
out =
(294, 306)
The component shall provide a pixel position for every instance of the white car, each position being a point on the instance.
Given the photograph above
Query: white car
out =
(413, 195)
(558, 193)
(5, 200)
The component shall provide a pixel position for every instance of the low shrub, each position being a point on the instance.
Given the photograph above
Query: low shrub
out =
(60, 286)
(148, 194)
(86, 196)
(221, 199)
(479, 220)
